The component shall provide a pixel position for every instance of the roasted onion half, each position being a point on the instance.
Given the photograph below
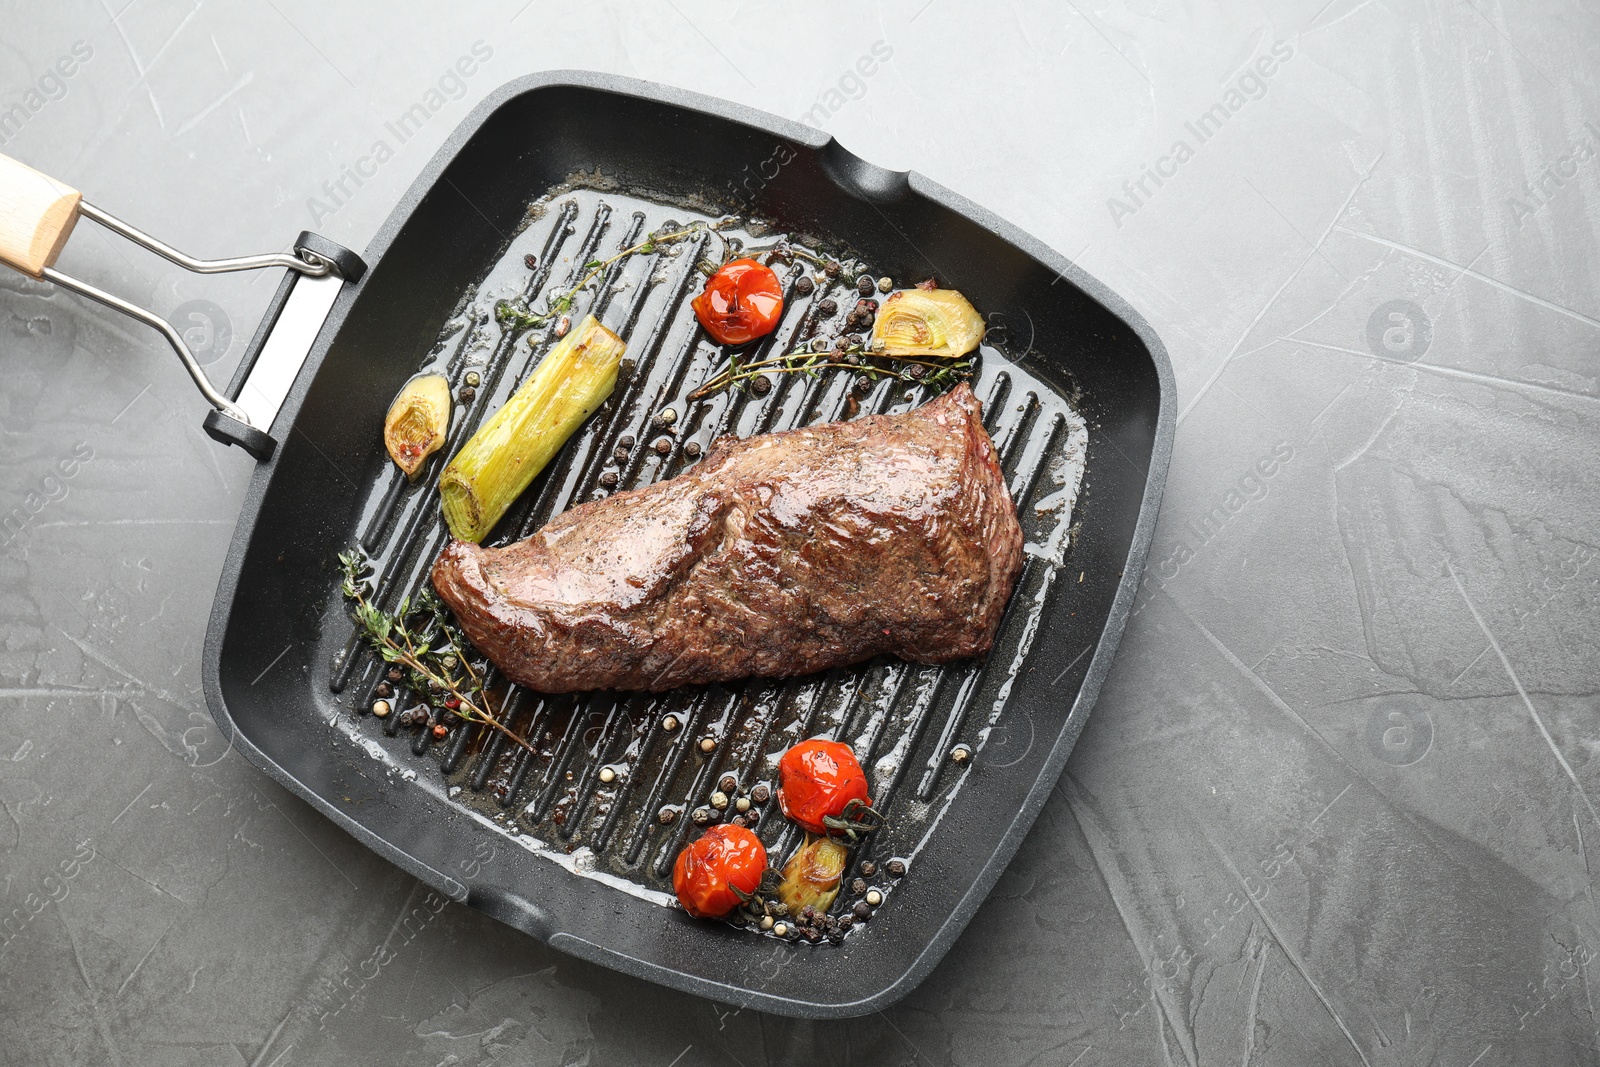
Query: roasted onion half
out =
(927, 322)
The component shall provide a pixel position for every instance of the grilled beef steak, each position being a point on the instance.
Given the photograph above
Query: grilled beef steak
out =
(776, 555)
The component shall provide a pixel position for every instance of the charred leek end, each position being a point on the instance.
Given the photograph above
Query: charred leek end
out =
(417, 422)
(493, 468)
(812, 874)
(927, 322)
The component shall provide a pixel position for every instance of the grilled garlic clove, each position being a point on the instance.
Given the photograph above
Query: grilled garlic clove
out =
(417, 422)
(927, 322)
(812, 874)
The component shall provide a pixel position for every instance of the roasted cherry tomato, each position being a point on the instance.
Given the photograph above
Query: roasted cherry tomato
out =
(742, 301)
(709, 870)
(819, 779)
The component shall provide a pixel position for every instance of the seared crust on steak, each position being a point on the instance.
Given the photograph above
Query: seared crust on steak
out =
(777, 555)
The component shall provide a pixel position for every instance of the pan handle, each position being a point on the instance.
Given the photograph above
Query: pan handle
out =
(38, 214)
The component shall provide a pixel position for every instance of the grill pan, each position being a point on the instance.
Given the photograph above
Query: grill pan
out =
(1075, 383)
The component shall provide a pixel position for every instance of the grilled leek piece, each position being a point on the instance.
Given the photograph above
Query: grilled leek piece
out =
(510, 450)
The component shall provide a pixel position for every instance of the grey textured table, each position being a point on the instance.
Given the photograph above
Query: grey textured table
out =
(1336, 802)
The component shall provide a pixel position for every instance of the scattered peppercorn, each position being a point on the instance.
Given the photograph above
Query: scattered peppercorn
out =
(874, 898)
(885, 284)
(473, 379)
(896, 868)
(530, 261)
(808, 913)
(960, 754)
(863, 385)
(858, 886)
(865, 285)
(385, 689)
(831, 268)
(466, 394)
(868, 868)
(668, 416)
(781, 929)
(761, 793)
(727, 783)
(669, 723)
(609, 479)
(777, 907)
(564, 325)
(452, 703)
(767, 923)
(703, 816)
(866, 306)
(835, 935)
(667, 816)
(761, 385)
(607, 775)
(692, 449)
(917, 372)
(450, 718)
(827, 306)
(862, 910)
(719, 800)
(708, 744)
(742, 804)
(440, 731)
(380, 708)
(395, 675)
(804, 285)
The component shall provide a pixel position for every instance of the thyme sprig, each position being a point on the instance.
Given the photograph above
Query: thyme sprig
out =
(420, 638)
(803, 360)
(516, 315)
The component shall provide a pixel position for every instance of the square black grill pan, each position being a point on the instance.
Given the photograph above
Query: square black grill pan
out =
(570, 846)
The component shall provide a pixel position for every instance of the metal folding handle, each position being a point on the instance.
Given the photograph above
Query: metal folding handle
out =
(37, 215)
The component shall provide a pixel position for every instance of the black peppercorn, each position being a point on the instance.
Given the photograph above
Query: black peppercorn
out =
(761, 385)
(863, 385)
(385, 689)
(831, 269)
(663, 446)
(530, 261)
(692, 449)
(865, 285)
(836, 936)
(917, 372)
(808, 913)
(609, 479)
(620, 455)
(777, 908)
(761, 793)
(803, 285)
(395, 675)
(667, 816)
(858, 886)
(466, 394)
(862, 911)
(625, 442)
(827, 306)
(728, 783)
(868, 868)
(866, 307)
(896, 868)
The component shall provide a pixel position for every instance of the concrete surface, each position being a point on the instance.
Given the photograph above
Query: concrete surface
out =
(1336, 802)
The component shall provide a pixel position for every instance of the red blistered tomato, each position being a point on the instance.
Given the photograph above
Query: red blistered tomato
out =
(708, 871)
(742, 301)
(818, 779)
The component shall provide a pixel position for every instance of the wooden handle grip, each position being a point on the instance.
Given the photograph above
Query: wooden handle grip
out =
(37, 214)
